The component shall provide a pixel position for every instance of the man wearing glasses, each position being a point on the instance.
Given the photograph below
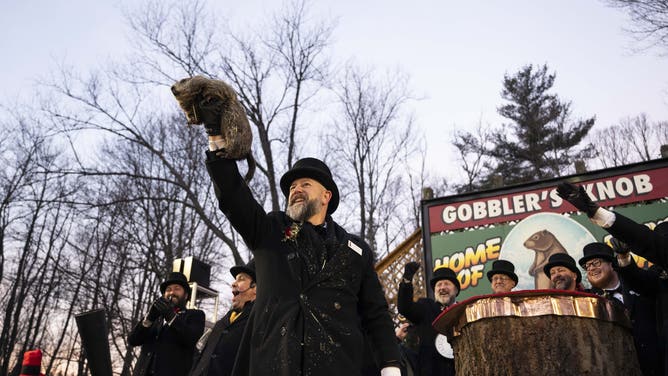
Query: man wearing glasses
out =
(502, 276)
(600, 263)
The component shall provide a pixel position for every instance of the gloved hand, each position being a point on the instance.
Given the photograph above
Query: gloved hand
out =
(153, 312)
(165, 308)
(410, 269)
(210, 114)
(578, 197)
(619, 247)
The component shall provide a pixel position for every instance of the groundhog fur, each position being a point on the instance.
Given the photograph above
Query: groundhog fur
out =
(208, 101)
(544, 244)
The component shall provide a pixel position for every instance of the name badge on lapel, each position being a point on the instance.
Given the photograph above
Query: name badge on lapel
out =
(354, 247)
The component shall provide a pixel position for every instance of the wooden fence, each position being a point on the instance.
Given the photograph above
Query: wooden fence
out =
(391, 268)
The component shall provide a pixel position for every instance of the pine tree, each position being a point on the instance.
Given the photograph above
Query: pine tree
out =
(539, 142)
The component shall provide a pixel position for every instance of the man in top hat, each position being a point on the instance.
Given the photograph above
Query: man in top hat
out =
(444, 283)
(650, 282)
(563, 272)
(218, 355)
(652, 245)
(599, 262)
(502, 276)
(169, 332)
(320, 294)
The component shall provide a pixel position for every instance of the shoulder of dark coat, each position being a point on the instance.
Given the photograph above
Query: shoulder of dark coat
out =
(279, 216)
(194, 312)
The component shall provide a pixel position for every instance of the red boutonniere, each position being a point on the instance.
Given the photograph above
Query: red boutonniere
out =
(291, 232)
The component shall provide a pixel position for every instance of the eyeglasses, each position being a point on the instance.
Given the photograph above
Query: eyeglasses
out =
(593, 263)
(500, 278)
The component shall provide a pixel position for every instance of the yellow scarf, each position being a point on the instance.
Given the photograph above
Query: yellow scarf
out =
(234, 315)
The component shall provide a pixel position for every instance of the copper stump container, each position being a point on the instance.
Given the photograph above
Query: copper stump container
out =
(539, 332)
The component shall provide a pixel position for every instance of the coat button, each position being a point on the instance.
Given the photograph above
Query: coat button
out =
(337, 306)
(303, 297)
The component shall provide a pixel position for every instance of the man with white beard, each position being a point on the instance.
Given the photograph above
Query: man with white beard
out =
(434, 354)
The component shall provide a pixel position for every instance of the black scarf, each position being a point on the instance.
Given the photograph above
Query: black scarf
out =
(315, 246)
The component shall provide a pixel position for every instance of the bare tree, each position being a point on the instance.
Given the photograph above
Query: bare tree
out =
(369, 143)
(276, 73)
(649, 20)
(35, 228)
(632, 139)
(472, 149)
(97, 222)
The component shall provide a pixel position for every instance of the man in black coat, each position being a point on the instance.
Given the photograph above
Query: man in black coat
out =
(168, 333)
(652, 245)
(319, 290)
(218, 355)
(434, 353)
(599, 263)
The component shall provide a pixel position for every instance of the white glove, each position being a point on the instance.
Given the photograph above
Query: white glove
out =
(390, 371)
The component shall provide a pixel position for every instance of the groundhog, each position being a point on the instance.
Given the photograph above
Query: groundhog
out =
(208, 101)
(545, 244)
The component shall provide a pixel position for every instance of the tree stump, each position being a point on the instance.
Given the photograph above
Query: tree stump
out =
(510, 334)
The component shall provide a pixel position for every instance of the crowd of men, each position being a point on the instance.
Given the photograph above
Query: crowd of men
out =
(320, 306)
(310, 302)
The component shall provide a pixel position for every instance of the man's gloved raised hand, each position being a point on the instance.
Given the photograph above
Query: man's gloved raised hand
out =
(409, 271)
(619, 247)
(153, 312)
(578, 197)
(165, 308)
(210, 115)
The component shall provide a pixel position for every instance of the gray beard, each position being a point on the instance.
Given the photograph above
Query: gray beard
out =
(563, 283)
(446, 300)
(302, 211)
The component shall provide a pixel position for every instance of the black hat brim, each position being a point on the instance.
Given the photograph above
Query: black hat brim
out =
(454, 280)
(235, 270)
(315, 174)
(569, 266)
(185, 285)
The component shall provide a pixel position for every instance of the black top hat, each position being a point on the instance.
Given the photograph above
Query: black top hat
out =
(662, 228)
(503, 267)
(314, 169)
(444, 273)
(562, 259)
(175, 278)
(249, 269)
(596, 250)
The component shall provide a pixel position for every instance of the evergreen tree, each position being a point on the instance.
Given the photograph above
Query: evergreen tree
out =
(539, 142)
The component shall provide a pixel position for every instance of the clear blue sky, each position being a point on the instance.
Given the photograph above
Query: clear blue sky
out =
(456, 52)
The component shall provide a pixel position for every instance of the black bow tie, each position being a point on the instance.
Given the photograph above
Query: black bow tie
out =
(613, 291)
(610, 294)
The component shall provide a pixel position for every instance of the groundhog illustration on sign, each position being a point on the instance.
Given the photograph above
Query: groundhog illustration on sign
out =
(208, 101)
(545, 244)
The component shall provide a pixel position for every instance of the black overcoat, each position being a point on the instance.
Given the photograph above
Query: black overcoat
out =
(302, 324)
(168, 349)
(422, 313)
(644, 242)
(224, 339)
(642, 290)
